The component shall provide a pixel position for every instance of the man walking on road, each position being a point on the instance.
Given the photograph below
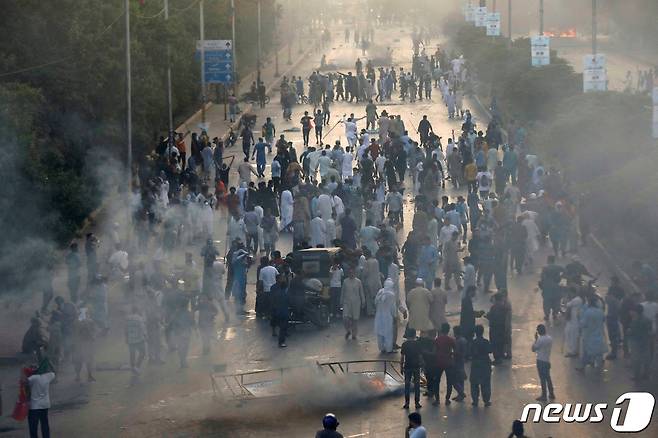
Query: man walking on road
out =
(269, 131)
(247, 141)
(542, 346)
(411, 352)
(424, 129)
(259, 151)
(280, 307)
(306, 127)
(480, 368)
(136, 339)
(549, 284)
(39, 384)
(352, 300)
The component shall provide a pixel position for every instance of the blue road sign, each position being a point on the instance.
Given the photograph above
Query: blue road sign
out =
(218, 63)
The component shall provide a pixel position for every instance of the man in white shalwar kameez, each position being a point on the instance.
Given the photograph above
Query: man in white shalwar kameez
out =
(325, 206)
(350, 131)
(318, 231)
(339, 207)
(572, 327)
(236, 229)
(385, 314)
(206, 216)
(372, 282)
(400, 299)
(532, 242)
(347, 166)
(369, 235)
(286, 209)
(330, 226)
(242, 193)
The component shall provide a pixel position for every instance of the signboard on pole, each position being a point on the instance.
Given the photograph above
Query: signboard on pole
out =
(540, 50)
(655, 108)
(595, 76)
(470, 13)
(218, 57)
(493, 24)
(481, 16)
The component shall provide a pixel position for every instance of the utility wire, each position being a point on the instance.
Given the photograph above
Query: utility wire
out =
(66, 58)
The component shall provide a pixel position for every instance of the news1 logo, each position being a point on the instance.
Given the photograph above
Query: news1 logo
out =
(639, 411)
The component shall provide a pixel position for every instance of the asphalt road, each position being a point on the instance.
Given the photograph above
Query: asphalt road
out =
(167, 402)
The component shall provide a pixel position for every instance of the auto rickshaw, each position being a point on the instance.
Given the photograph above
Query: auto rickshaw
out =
(310, 303)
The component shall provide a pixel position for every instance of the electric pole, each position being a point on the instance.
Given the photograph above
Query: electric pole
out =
(276, 45)
(258, 48)
(594, 27)
(235, 59)
(169, 100)
(129, 120)
(203, 63)
(509, 19)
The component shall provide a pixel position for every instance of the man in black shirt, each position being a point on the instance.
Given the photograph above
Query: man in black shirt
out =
(247, 140)
(410, 364)
(480, 367)
(549, 283)
(424, 129)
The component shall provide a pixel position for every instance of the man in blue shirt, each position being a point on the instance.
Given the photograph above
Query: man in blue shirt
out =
(259, 151)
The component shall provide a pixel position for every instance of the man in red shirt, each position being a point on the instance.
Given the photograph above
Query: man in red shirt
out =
(445, 359)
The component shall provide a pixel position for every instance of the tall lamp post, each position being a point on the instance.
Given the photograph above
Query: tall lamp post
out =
(258, 47)
(594, 28)
(169, 99)
(203, 63)
(129, 120)
(509, 19)
(276, 45)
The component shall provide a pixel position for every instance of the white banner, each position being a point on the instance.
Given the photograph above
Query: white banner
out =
(540, 49)
(470, 13)
(215, 45)
(595, 75)
(481, 16)
(493, 24)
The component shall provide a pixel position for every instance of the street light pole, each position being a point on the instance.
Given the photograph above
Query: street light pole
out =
(203, 63)
(129, 120)
(509, 19)
(594, 28)
(289, 47)
(541, 17)
(258, 48)
(235, 59)
(276, 46)
(299, 25)
(169, 100)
